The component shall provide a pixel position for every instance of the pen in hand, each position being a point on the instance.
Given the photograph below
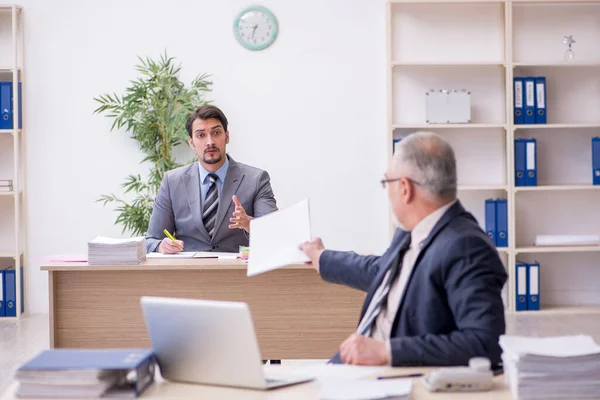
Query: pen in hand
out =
(166, 232)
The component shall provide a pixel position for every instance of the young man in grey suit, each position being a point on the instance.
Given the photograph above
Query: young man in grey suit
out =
(208, 205)
(434, 297)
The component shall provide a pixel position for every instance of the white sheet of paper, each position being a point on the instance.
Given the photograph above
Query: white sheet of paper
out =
(195, 254)
(275, 237)
(214, 254)
(346, 389)
(181, 254)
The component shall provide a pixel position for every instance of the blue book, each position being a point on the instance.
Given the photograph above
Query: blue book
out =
(540, 100)
(140, 361)
(529, 108)
(520, 161)
(502, 223)
(530, 162)
(490, 220)
(6, 106)
(533, 288)
(519, 95)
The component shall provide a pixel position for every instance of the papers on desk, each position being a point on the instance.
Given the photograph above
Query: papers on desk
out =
(551, 368)
(195, 254)
(109, 251)
(346, 389)
(275, 237)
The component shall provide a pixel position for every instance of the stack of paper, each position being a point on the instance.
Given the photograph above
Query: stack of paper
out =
(567, 240)
(108, 251)
(565, 367)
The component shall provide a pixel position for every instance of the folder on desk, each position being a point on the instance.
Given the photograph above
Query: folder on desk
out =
(502, 223)
(490, 220)
(531, 162)
(533, 286)
(76, 373)
(6, 106)
(522, 284)
(2, 311)
(518, 101)
(596, 160)
(520, 162)
(540, 100)
(529, 108)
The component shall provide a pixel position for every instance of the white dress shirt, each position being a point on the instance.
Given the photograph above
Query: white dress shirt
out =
(382, 326)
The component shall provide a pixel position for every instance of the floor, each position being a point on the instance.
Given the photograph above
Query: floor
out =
(23, 339)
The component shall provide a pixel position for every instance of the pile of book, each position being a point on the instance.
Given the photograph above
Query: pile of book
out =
(6, 185)
(108, 251)
(78, 373)
(563, 367)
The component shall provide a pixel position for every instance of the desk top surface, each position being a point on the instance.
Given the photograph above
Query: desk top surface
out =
(162, 389)
(161, 264)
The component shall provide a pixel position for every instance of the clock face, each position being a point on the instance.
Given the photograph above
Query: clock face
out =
(255, 28)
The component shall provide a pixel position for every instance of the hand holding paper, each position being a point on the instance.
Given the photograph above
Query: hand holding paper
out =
(313, 250)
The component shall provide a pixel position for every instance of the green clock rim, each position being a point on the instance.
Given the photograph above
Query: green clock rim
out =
(264, 45)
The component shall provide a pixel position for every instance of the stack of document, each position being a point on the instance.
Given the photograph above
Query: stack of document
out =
(567, 240)
(73, 373)
(108, 251)
(564, 367)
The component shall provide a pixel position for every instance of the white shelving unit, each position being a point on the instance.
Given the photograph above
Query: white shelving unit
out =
(12, 155)
(480, 46)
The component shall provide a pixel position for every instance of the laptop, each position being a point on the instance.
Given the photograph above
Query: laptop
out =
(207, 342)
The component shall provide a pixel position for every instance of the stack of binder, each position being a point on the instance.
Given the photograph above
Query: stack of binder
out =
(528, 286)
(77, 373)
(563, 367)
(6, 185)
(530, 100)
(496, 221)
(525, 162)
(108, 251)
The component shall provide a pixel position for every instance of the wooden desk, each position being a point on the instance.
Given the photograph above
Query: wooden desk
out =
(305, 391)
(296, 314)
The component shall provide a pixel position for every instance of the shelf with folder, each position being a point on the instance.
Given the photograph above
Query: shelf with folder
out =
(542, 188)
(557, 249)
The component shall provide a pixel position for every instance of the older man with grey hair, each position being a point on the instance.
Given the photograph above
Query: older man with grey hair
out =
(434, 297)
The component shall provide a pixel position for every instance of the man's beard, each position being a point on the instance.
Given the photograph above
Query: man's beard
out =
(215, 159)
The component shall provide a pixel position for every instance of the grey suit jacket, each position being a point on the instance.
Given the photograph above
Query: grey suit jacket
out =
(177, 207)
(452, 307)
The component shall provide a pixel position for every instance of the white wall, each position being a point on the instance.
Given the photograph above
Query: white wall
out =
(311, 110)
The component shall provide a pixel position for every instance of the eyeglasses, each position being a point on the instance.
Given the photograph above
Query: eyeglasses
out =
(384, 182)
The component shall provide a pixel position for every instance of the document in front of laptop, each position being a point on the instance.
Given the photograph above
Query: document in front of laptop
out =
(275, 237)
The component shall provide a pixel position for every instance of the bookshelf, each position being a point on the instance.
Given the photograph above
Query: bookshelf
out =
(12, 156)
(480, 46)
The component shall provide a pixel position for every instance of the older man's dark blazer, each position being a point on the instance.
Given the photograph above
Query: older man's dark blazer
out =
(452, 308)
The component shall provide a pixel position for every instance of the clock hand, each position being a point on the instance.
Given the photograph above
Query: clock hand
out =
(254, 30)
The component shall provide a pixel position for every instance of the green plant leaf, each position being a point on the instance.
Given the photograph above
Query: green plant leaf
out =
(153, 110)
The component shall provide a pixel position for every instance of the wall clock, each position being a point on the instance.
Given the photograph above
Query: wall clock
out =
(255, 28)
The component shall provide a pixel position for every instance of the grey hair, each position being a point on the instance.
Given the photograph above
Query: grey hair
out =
(428, 159)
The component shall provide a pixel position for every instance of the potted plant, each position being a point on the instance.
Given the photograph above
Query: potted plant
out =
(153, 109)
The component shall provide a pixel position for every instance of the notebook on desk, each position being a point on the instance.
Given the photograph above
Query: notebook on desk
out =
(195, 254)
